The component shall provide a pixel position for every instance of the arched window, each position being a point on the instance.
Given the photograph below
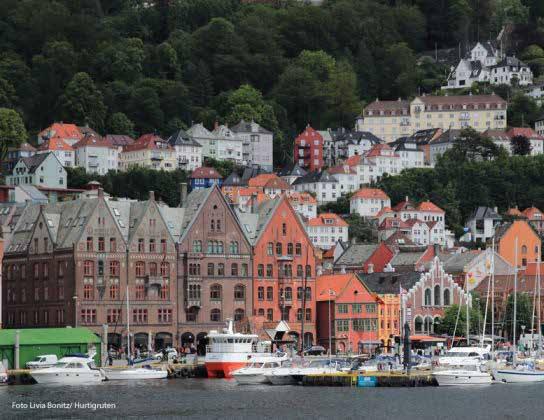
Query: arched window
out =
(215, 315)
(220, 248)
(215, 292)
(446, 297)
(437, 295)
(260, 293)
(298, 249)
(88, 268)
(288, 293)
(308, 314)
(524, 249)
(308, 293)
(239, 292)
(239, 314)
(260, 312)
(260, 270)
(427, 301)
(211, 269)
(152, 269)
(299, 293)
(197, 246)
(165, 269)
(308, 271)
(234, 247)
(212, 224)
(279, 250)
(299, 314)
(220, 269)
(300, 271)
(270, 314)
(428, 325)
(140, 269)
(289, 248)
(234, 269)
(270, 293)
(218, 224)
(418, 324)
(210, 247)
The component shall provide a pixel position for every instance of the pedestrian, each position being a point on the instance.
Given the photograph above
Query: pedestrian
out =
(110, 357)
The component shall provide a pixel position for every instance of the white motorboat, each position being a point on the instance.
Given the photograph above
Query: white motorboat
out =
(523, 373)
(290, 375)
(460, 356)
(255, 373)
(463, 375)
(69, 370)
(282, 376)
(146, 372)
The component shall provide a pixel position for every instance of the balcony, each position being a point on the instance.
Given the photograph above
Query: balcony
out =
(155, 281)
(189, 303)
(156, 156)
(93, 162)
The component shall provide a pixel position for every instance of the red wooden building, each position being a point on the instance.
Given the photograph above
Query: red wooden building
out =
(309, 150)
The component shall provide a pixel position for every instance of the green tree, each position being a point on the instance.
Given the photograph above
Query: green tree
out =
(8, 97)
(523, 111)
(472, 145)
(509, 12)
(359, 228)
(12, 131)
(145, 110)
(520, 145)
(122, 60)
(82, 102)
(119, 123)
(524, 311)
(342, 97)
(453, 315)
(533, 55)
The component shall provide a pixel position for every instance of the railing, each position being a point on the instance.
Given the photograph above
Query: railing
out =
(189, 303)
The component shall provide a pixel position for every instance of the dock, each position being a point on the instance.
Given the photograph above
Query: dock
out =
(371, 380)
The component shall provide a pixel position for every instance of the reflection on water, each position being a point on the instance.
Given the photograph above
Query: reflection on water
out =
(202, 398)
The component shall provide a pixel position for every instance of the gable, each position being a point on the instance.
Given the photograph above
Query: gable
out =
(150, 225)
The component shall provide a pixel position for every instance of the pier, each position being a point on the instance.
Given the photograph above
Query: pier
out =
(367, 380)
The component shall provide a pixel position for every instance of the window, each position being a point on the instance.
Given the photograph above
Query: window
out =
(211, 269)
(446, 297)
(298, 249)
(164, 316)
(260, 271)
(270, 293)
(288, 294)
(308, 314)
(270, 248)
(300, 271)
(152, 245)
(269, 270)
(284, 229)
(260, 293)
(219, 249)
(194, 291)
(299, 293)
(234, 247)
(308, 271)
(220, 269)
(139, 316)
(164, 247)
(165, 269)
(191, 314)
(140, 269)
(239, 314)
(89, 243)
(357, 308)
(427, 301)
(234, 269)
(342, 308)
(153, 269)
(279, 250)
(197, 246)
(289, 248)
(194, 269)
(88, 316)
(114, 269)
(437, 295)
(113, 245)
(261, 312)
(215, 292)
(371, 308)
(342, 325)
(524, 249)
(101, 244)
(113, 316)
(45, 271)
(215, 315)
(88, 268)
(114, 289)
(140, 289)
(270, 314)
(141, 245)
(299, 314)
(244, 269)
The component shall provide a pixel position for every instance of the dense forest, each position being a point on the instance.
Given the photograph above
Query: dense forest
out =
(135, 66)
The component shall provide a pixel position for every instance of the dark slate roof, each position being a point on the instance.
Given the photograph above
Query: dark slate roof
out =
(316, 176)
(251, 172)
(356, 255)
(33, 162)
(354, 137)
(475, 68)
(408, 257)
(510, 62)
(456, 263)
(424, 136)
(449, 136)
(292, 169)
(485, 213)
(119, 140)
(233, 180)
(389, 283)
(245, 127)
(181, 138)
(401, 143)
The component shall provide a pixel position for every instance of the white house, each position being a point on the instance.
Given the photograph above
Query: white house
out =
(303, 203)
(188, 150)
(205, 138)
(510, 69)
(291, 172)
(325, 186)
(62, 150)
(536, 140)
(368, 202)
(346, 176)
(257, 144)
(481, 224)
(226, 145)
(384, 159)
(536, 92)
(411, 156)
(96, 154)
(539, 125)
(327, 229)
(41, 170)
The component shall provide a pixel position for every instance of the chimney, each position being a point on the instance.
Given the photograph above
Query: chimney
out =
(183, 196)
(496, 209)
(370, 268)
(151, 195)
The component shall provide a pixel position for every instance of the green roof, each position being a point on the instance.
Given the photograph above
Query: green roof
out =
(33, 336)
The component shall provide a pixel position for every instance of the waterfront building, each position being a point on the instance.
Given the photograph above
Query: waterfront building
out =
(347, 314)
(308, 152)
(284, 267)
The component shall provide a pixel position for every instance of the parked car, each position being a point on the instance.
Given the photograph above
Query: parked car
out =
(315, 351)
(42, 361)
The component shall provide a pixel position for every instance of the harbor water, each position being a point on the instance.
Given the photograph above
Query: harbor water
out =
(204, 399)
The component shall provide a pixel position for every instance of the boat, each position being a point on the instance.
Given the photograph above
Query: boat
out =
(463, 375)
(69, 370)
(146, 372)
(3, 374)
(255, 373)
(228, 351)
(522, 373)
(459, 356)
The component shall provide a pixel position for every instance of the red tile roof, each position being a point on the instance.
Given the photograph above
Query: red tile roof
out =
(147, 141)
(428, 206)
(342, 169)
(333, 282)
(532, 213)
(384, 211)
(268, 181)
(206, 172)
(62, 130)
(514, 211)
(56, 143)
(354, 160)
(93, 141)
(525, 132)
(393, 223)
(300, 197)
(310, 134)
(370, 193)
(320, 220)
(329, 253)
(377, 150)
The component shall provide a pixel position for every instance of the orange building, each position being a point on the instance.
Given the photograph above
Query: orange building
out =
(528, 243)
(284, 263)
(347, 314)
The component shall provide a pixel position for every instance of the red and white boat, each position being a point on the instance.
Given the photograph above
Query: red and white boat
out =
(229, 351)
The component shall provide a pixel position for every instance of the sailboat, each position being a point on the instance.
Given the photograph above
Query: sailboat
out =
(145, 372)
(523, 373)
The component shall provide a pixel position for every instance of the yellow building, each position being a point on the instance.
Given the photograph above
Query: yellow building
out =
(390, 120)
(149, 151)
(388, 318)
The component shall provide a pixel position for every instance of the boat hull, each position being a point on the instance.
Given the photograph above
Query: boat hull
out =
(451, 378)
(513, 376)
(250, 378)
(135, 374)
(223, 369)
(71, 378)
(281, 379)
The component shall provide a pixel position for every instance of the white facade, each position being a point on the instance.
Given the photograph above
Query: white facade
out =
(257, 144)
(509, 69)
(66, 157)
(97, 160)
(325, 187)
(44, 170)
(188, 157)
(368, 202)
(539, 126)
(410, 155)
(325, 230)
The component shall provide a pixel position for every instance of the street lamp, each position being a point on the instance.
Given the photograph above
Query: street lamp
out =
(75, 309)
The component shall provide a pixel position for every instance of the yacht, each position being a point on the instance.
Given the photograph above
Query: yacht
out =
(459, 356)
(145, 372)
(229, 351)
(255, 373)
(522, 373)
(469, 374)
(69, 370)
(293, 375)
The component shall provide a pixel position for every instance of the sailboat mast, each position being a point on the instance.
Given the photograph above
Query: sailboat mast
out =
(515, 295)
(468, 322)
(482, 339)
(493, 297)
(539, 309)
(128, 326)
